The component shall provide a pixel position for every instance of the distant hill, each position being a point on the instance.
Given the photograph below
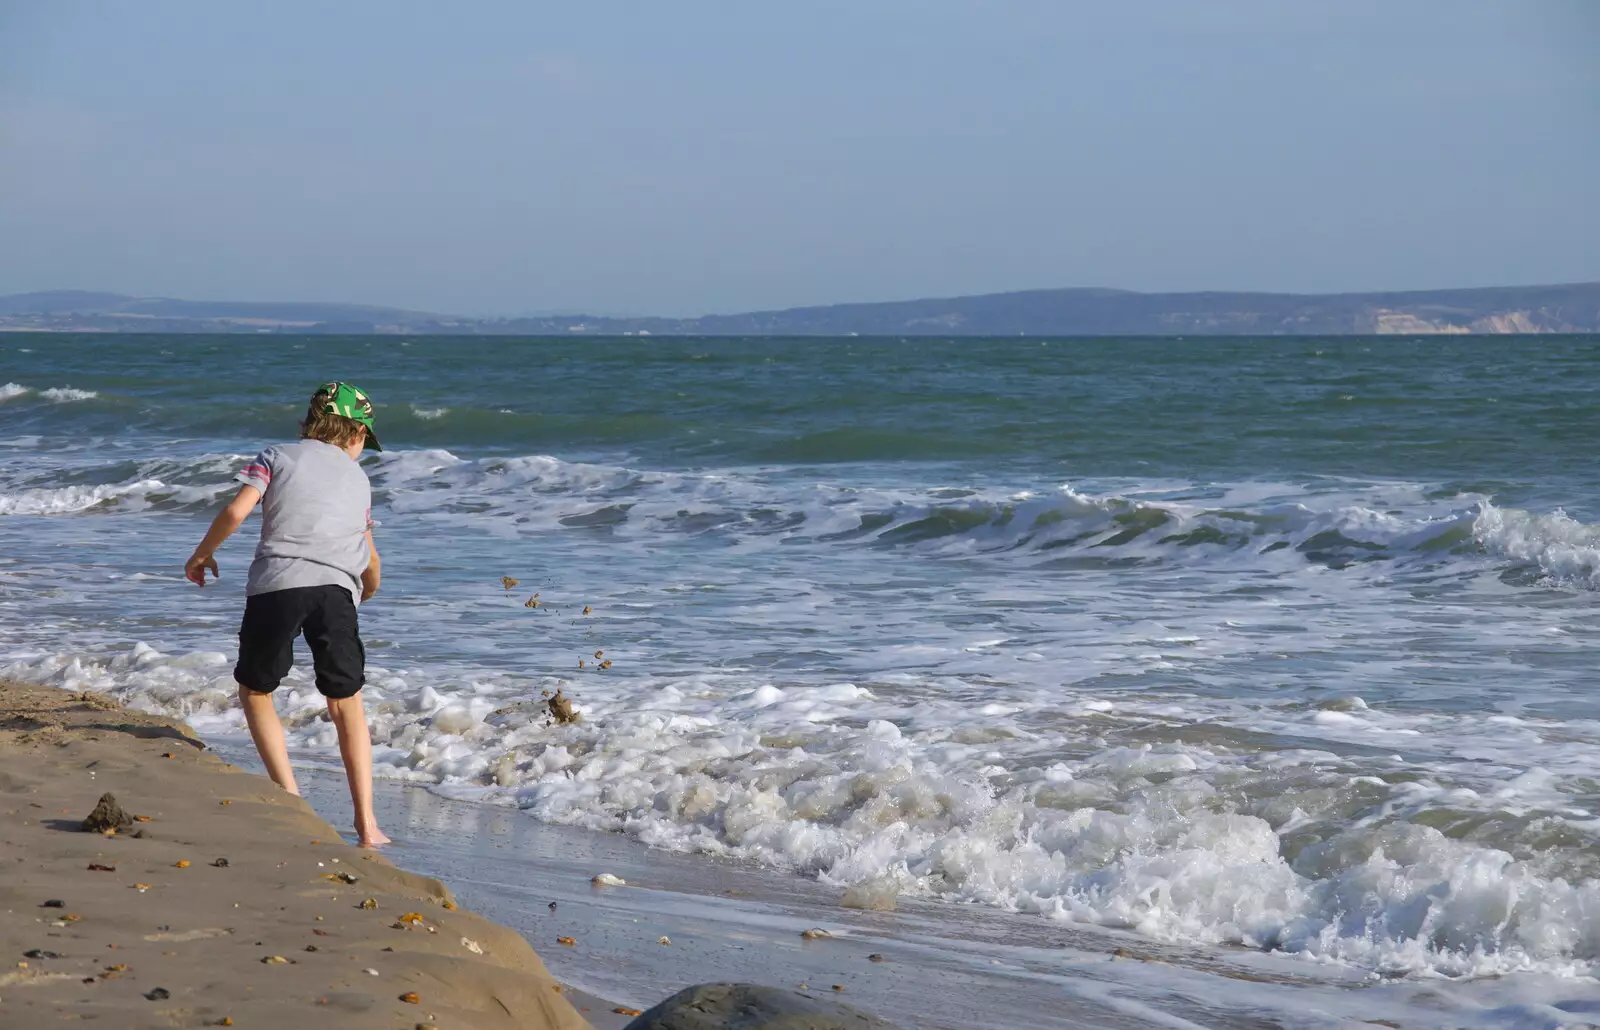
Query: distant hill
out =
(1572, 308)
(86, 304)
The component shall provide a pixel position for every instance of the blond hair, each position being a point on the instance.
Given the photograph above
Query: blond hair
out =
(328, 427)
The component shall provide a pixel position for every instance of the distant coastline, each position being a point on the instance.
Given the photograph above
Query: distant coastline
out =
(1566, 308)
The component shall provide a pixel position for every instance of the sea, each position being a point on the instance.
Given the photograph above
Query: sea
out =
(1274, 646)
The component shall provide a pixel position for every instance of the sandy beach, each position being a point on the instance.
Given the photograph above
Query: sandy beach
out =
(225, 902)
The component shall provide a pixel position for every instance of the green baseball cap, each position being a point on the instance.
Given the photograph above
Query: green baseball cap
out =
(349, 401)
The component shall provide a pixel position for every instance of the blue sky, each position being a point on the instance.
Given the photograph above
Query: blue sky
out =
(678, 158)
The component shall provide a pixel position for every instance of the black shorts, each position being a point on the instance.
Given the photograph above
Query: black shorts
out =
(327, 617)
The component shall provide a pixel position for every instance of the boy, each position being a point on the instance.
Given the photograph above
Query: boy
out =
(315, 563)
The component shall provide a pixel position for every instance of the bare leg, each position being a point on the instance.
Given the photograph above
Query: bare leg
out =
(267, 732)
(355, 747)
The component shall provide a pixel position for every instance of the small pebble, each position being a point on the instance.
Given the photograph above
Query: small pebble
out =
(874, 957)
(221, 863)
(54, 903)
(370, 972)
(665, 940)
(410, 998)
(816, 933)
(158, 994)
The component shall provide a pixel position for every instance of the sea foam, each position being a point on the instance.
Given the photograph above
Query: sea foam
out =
(1184, 843)
(66, 394)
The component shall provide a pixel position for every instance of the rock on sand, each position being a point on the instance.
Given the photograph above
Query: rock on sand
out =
(751, 1007)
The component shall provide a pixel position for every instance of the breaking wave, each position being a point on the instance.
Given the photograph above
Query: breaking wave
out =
(1334, 856)
(1063, 527)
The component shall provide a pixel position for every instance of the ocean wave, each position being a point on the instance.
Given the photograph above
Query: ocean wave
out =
(1336, 859)
(68, 499)
(1251, 522)
(1261, 525)
(1566, 551)
(124, 486)
(66, 394)
(54, 394)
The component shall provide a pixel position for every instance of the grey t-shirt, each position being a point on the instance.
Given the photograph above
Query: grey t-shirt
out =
(316, 507)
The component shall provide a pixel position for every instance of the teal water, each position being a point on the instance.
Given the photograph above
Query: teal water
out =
(1277, 643)
(1503, 412)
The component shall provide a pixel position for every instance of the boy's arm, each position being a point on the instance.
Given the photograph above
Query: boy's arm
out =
(374, 571)
(228, 519)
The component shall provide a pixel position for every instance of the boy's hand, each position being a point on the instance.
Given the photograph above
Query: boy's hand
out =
(194, 570)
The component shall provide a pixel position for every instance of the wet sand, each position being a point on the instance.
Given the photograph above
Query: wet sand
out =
(225, 904)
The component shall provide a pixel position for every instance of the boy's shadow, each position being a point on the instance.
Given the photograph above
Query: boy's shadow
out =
(146, 732)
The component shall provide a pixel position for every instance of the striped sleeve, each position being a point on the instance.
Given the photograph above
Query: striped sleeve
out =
(258, 473)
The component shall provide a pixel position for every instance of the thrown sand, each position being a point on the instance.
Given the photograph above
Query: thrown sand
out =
(232, 903)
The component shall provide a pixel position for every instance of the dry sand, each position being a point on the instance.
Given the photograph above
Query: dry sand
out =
(270, 937)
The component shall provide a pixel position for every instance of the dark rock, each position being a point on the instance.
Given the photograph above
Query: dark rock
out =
(158, 994)
(752, 1007)
(54, 903)
(39, 953)
(107, 815)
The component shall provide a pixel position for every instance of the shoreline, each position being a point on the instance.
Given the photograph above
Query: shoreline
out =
(226, 904)
(923, 964)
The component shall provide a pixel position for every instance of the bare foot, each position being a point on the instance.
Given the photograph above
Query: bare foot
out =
(372, 837)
